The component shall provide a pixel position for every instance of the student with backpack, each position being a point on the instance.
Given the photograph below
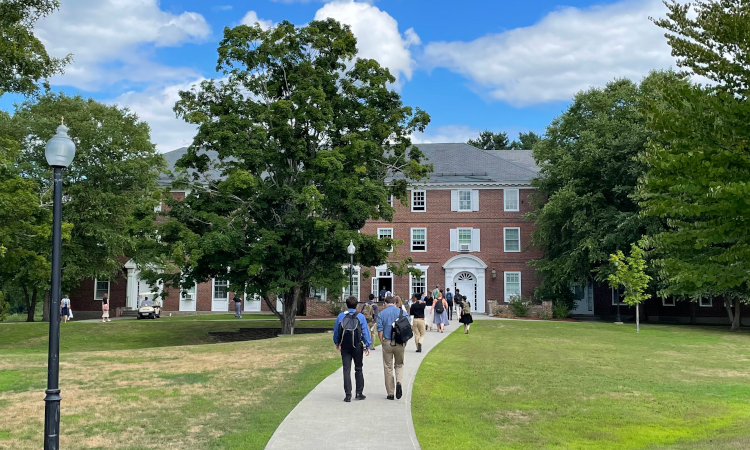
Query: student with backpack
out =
(466, 318)
(449, 299)
(352, 338)
(440, 311)
(370, 311)
(394, 331)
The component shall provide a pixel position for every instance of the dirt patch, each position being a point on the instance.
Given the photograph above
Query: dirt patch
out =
(718, 373)
(254, 334)
(510, 418)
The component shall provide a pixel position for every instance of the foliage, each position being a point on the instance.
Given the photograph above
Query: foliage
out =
(545, 313)
(310, 143)
(488, 140)
(526, 141)
(4, 307)
(519, 306)
(560, 309)
(583, 205)
(630, 273)
(24, 62)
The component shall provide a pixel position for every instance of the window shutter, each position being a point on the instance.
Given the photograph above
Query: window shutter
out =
(475, 239)
(454, 240)
(475, 200)
(454, 200)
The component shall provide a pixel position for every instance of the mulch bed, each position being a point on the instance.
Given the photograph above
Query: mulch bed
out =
(537, 318)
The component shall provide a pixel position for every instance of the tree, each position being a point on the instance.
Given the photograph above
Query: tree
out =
(310, 142)
(24, 62)
(526, 141)
(583, 206)
(630, 273)
(109, 190)
(488, 140)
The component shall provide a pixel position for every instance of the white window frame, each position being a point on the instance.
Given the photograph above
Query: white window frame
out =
(424, 199)
(411, 239)
(470, 208)
(670, 298)
(391, 236)
(321, 294)
(505, 284)
(213, 290)
(458, 238)
(505, 199)
(96, 288)
(505, 239)
(412, 278)
(710, 301)
(356, 288)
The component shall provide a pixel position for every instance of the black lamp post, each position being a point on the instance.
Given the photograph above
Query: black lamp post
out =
(59, 152)
(616, 299)
(351, 249)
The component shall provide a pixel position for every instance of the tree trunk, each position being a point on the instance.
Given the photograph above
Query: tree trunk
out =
(30, 304)
(736, 319)
(637, 318)
(45, 308)
(289, 314)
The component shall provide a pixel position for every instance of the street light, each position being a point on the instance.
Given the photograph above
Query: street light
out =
(60, 151)
(616, 299)
(351, 249)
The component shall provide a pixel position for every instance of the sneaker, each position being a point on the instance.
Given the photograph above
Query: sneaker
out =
(398, 390)
(390, 397)
(348, 398)
(360, 397)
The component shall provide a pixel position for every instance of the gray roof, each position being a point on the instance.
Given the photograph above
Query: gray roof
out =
(452, 163)
(172, 158)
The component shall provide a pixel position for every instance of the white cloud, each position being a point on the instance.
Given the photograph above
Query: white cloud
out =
(251, 18)
(377, 35)
(110, 39)
(155, 107)
(446, 134)
(567, 51)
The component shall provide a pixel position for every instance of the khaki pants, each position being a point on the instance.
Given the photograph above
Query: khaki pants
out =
(393, 358)
(418, 328)
(373, 327)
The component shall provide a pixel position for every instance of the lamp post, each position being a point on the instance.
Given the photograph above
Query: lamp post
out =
(616, 299)
(59, 153)
(351, 249)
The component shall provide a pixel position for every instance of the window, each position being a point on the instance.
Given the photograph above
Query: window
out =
(221, 289)
(418, 285)
(355, 284)
(617, 295)
(512, 285)
(706, 302)
(318, 293)
(512, 238)
(385, 233)
(101, 287)
(667, 301)
(464, 200)
(419, 239)
(511, 199)
(464, 239)
(418, 201)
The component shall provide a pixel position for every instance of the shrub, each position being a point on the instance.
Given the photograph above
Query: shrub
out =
(4, 307)
(336, 307)
(545, 313)
(560, 309)
(504, 312)
(519, 306)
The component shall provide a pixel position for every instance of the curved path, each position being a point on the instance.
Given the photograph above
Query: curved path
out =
(323, 420)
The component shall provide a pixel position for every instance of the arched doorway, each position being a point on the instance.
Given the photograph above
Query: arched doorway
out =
(466, 273)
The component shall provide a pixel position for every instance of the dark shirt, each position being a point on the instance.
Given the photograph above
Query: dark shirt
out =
(382, 293)
(237, 299)
(429, 301)
(104, 301)
(417, 310)
(449, 297)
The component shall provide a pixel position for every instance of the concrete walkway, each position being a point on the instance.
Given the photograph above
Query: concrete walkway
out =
(322, 420)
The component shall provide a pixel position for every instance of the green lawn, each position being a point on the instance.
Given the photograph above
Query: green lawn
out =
(557, 385)
(147, 385)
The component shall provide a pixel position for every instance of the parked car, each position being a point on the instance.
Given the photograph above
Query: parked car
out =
(149, 310)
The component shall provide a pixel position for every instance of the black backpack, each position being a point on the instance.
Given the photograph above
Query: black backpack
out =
(439, 308)
(351, 331)
(401, 329)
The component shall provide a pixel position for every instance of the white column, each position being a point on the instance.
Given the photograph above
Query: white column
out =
(132, 289)
(480, 289)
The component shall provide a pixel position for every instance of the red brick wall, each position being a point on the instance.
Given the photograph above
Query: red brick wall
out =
(82, 297)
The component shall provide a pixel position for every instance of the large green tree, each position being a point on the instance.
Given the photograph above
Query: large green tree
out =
(109, 190)
(311, 141)
(487, 140)
(24, 62)
(584, 209)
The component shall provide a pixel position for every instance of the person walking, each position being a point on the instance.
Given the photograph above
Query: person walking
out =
(436, 291)
(428, 315)
(417, 325)
(440, 313)
(370, 311)
(400, 305)
(237, 307)
(383, 291)
(449, 299)
(466, 317)
(352, 339)
(393, 353)
(105, 308)
(64, 308)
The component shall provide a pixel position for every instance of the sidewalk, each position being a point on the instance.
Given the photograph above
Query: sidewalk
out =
(323, 420)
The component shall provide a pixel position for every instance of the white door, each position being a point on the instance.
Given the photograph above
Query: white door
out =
(375, 289)
(188, 299)
(466, 284)
(220, 295)
(252, 303)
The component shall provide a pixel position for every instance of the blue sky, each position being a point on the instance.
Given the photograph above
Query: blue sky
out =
(474, 64)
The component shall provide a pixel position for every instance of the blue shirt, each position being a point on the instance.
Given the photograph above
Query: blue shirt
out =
(362, 321)
(386, 319)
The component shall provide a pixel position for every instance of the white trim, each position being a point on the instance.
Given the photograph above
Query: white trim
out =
(390, 201)
(505, 284)
(458, 239)
(411, 239)
(710, 301)
(391, 236)
(453, 240)
(473, 185)
(465, 260)
(518, 200)
(474, 200)
(424, 196)
(664, 301)
(505, 239)
(471, 206)
(454, 200)
(109, 286)
(412, 278)
(475, 240)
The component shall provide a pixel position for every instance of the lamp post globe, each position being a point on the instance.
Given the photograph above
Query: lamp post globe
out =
(351, 249)
(59, 152)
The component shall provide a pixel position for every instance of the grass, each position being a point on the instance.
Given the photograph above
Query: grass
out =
(531, 385)
(143, 388)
